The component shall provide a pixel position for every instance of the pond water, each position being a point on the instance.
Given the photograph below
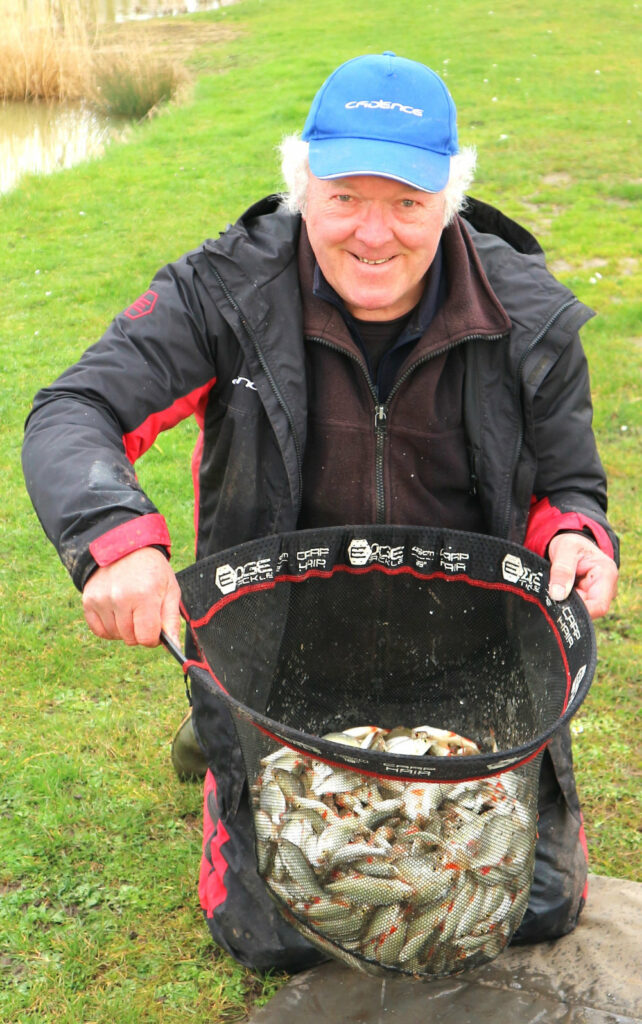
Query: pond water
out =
(39, 138)
(110, 11)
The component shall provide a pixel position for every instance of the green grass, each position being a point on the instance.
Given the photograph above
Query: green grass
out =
(99, 843)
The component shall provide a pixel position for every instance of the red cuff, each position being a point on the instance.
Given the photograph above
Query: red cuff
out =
(545, 521)
(142, 532)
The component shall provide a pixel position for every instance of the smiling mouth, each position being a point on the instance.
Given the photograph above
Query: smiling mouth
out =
(374, 263)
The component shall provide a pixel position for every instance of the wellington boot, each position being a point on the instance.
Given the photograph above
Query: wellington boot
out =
(187, 757)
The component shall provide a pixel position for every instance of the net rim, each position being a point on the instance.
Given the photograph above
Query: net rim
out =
(404, 767)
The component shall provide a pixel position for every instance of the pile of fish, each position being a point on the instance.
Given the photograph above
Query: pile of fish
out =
(423, 877)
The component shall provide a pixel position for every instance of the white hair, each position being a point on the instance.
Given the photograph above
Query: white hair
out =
(296, 171)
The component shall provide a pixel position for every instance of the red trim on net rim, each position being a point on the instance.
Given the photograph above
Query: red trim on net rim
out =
(408, 570)
(399, 776)
(192, 663)
(403, 569)
(359, 769)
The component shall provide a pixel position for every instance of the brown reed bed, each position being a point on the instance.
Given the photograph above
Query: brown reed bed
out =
(45, 51)
(50, 51)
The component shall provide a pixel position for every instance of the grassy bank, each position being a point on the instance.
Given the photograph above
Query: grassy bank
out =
(99, 844)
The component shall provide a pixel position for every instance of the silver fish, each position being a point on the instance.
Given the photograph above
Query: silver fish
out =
(368, 892)
(421, 927)
(449, 740)
(324, 811)
(272, 801)
(342, 737)
(428, 884)
(325, 908)
(407, 745)
(289, 760)
(422, 876)
(298, 868)
(297, 828)
(385, 935)
(289, 783)
(338, 781)
(353, 851)
(265, 827)
(265, 854)
(376, 867)
(420, 799)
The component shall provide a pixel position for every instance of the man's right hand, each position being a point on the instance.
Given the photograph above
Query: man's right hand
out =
(133, 599)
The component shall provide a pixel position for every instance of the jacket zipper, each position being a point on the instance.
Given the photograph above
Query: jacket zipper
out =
(273, 384)
(381, 413)
(518, 382)
(381, 408)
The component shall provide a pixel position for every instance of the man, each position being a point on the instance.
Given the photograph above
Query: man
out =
(374, 358)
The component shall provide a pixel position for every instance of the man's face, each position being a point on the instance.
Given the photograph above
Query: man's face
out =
(374, 239)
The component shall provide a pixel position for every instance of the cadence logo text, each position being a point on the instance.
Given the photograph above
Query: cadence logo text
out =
(384, 105)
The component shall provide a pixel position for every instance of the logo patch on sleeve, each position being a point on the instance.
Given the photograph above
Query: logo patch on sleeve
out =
(143, 305)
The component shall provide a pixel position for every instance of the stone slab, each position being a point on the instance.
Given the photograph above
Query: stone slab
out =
(593, 976)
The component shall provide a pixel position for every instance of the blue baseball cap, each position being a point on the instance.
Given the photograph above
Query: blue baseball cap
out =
(383, 115)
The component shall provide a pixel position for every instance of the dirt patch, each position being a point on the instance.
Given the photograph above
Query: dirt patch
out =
(7, 887)
(560, 178)
(543, 214)
(614, 201)
(628, 265)
(11, 967)
(177, 40)
(560, 267)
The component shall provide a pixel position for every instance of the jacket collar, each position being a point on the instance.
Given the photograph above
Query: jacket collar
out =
(471, 307)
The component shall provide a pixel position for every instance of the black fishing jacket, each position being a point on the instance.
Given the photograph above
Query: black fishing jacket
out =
(224, 324)
(220, 335)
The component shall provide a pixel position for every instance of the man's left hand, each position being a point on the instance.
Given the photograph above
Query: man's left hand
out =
(577, 561)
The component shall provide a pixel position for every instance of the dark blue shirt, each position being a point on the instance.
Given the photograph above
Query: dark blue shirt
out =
(411, 327)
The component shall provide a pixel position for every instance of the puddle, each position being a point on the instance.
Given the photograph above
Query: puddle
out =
(38, 138)
(591, 976)
(333, 993)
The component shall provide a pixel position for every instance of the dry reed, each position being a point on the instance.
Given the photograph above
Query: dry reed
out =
(45, 51)
(50, 51)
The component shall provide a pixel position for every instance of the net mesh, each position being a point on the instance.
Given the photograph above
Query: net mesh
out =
(392, 692)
